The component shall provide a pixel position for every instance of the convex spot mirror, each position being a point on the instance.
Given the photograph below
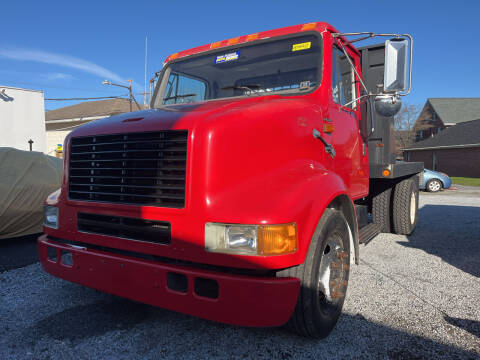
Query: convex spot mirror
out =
(387, 105)
(395, 76)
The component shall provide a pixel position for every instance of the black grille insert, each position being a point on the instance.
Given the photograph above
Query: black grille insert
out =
(147, 168)
(125, 227)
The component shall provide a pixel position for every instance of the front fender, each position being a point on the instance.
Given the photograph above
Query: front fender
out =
(299, 192)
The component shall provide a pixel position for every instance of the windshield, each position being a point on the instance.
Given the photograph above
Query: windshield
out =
(288, 65)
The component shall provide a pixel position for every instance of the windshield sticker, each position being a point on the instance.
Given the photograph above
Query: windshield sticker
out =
(302, 46)
(227, 57)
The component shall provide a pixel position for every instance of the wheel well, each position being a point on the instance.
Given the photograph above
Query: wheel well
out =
(343, 204)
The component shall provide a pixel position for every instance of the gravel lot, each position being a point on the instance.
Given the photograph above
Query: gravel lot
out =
(410, 298)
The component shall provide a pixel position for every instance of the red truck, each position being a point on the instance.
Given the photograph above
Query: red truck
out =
(243, 194)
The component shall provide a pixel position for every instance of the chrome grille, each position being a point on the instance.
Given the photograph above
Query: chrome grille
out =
(147, 168)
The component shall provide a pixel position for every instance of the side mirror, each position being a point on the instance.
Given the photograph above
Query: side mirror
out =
(395, 75)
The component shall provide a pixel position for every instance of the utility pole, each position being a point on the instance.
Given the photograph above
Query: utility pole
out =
(145, 91)
(130, 93)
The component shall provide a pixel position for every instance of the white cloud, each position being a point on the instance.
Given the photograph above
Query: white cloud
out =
(56, 76)
(62, 60)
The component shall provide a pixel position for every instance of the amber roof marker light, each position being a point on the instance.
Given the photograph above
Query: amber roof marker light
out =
(309, 26)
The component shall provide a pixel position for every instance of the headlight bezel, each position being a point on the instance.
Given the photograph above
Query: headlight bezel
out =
(255, 240)
(52, 213)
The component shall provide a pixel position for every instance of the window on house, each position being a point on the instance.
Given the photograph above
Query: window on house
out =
(434, 161)
(343, 79)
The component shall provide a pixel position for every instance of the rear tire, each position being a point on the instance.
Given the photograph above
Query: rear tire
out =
(324, 278)
(405, 206)
(381, 210)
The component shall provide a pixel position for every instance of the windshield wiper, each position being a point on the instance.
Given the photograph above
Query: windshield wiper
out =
(178, 96)
(248, 87)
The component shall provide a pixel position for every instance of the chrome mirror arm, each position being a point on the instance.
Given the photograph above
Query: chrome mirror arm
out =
(368, 94)
(353, 66)
(357, 99)
(371, 35)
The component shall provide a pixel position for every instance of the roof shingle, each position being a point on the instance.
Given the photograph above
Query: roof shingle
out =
(91, 109)
(465, 133)
(456, 110)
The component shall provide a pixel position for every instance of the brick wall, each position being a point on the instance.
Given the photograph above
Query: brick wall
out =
(454, 162)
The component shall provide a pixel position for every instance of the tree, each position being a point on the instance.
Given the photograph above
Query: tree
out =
(403, 124)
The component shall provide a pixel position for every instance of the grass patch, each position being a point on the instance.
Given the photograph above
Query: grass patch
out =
(465, 181)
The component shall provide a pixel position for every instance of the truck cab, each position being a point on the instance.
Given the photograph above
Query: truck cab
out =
(241, 195)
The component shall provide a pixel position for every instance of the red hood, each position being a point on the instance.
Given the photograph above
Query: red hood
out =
(166, 118)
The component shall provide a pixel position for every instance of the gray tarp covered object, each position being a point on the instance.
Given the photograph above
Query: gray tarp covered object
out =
(26, 179)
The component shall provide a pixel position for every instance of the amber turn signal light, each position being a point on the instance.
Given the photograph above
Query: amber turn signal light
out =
(277, 239)
(386, 172)
(328, 128)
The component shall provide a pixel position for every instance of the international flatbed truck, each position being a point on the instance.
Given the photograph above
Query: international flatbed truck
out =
(243, 193)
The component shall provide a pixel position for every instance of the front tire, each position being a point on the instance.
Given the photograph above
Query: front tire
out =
(324, 278)
(434, 185)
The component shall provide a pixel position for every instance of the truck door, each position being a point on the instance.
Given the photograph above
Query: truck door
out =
(350, 161)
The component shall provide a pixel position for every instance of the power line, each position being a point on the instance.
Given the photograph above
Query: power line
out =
(45, 86)
(89, 98)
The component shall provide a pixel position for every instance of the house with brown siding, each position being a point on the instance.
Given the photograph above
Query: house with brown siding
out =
(455, 150)
(439, 114)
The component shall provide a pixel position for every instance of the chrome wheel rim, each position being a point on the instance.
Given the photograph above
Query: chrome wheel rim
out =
(434, 186)
(413, 207)
(331, 277)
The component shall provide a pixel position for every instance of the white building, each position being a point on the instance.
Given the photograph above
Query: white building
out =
(22, 119)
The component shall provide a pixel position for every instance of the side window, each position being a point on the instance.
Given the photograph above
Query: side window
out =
(181, 89)
(343, 79)
(337, 92)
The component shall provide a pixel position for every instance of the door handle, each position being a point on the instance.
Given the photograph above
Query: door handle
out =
(328, 147)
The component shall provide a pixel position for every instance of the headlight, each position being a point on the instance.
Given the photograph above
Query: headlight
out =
(260, 240)
(50, 216)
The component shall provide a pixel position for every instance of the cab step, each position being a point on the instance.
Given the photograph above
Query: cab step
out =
(368, 232)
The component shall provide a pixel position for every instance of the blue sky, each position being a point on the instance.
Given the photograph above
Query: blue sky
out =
(67, 48)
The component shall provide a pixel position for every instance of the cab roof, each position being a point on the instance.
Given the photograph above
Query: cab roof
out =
(314, 26)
